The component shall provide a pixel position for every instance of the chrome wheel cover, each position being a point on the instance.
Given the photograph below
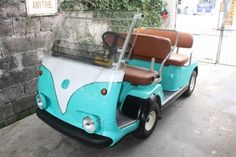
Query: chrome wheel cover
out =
(150, 121)
(192, 83)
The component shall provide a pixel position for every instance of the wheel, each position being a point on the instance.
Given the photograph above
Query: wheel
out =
(192, 83)
(148, 120)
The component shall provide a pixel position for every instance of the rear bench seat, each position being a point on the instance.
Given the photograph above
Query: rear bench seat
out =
(185, 40)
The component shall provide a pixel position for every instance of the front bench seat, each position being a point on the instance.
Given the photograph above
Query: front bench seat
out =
(146, 47)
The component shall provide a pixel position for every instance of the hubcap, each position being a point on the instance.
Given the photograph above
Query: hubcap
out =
(150, 121)
(192, 83)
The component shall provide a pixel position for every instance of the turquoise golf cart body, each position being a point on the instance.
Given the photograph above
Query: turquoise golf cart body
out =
(99, 101)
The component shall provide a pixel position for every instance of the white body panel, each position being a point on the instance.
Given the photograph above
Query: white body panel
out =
(79, 74)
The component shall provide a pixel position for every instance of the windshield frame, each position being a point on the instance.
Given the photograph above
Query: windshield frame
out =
(95, 54)
(135, 23)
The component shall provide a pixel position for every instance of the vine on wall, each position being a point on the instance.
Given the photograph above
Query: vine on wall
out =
(152, 9)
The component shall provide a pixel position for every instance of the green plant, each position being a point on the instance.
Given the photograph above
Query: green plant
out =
(151, 8)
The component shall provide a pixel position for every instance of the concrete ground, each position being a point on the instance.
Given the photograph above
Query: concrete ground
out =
(201, 125)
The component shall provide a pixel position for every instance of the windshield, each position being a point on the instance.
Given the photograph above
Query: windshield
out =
(93, 37)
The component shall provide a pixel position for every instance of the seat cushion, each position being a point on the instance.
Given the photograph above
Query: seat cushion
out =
(139, 76)
(177, 59)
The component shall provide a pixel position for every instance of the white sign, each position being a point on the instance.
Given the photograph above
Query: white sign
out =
(41, 7)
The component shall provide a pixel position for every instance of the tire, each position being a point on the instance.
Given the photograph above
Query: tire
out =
(148, 119)
(192, 83)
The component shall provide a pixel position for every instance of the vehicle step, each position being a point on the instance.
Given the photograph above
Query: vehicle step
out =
(167, 94)
(123, 121)
(171, 96)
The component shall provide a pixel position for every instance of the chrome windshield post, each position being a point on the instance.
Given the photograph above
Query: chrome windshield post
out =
(137, 19)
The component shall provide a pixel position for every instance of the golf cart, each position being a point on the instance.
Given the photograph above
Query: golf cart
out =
(98, 93)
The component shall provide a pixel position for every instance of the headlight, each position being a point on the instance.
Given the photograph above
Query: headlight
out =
(41, 101)
(88, 125)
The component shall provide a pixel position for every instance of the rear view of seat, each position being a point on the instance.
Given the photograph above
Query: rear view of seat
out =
(146, 47)
(185, 40)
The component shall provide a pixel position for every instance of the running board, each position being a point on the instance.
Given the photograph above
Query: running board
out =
(171, 96)
(123, 121)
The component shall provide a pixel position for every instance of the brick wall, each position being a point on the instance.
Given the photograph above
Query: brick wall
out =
(24, 41)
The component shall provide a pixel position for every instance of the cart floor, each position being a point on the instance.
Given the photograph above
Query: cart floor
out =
(122, 120)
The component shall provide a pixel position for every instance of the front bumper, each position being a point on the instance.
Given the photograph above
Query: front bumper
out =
(74, 132)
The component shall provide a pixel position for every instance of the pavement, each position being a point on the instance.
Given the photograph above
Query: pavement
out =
(201, 125)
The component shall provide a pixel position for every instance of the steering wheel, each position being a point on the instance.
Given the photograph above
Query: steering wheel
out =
(113, 41)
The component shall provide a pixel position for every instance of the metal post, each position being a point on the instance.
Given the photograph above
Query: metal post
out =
(136, 18)
(220, 44)
(176, 13)
(222, 28)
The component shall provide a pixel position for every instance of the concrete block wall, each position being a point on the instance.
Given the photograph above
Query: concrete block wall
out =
(24, 41)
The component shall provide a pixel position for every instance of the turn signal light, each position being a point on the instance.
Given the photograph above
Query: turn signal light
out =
(104, 91)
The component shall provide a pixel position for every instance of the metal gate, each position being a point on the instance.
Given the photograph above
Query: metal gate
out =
(227, 54)
(213, 42)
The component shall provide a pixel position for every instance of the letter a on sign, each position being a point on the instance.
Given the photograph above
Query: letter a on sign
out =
(41, 7)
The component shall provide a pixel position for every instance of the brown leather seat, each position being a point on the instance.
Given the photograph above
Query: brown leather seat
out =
(185, 40)
(139, 76)
(177, 59)
(147, 46)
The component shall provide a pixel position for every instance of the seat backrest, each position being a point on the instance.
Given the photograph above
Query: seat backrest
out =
(145, 46)
(149, 46)
(185, 40)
